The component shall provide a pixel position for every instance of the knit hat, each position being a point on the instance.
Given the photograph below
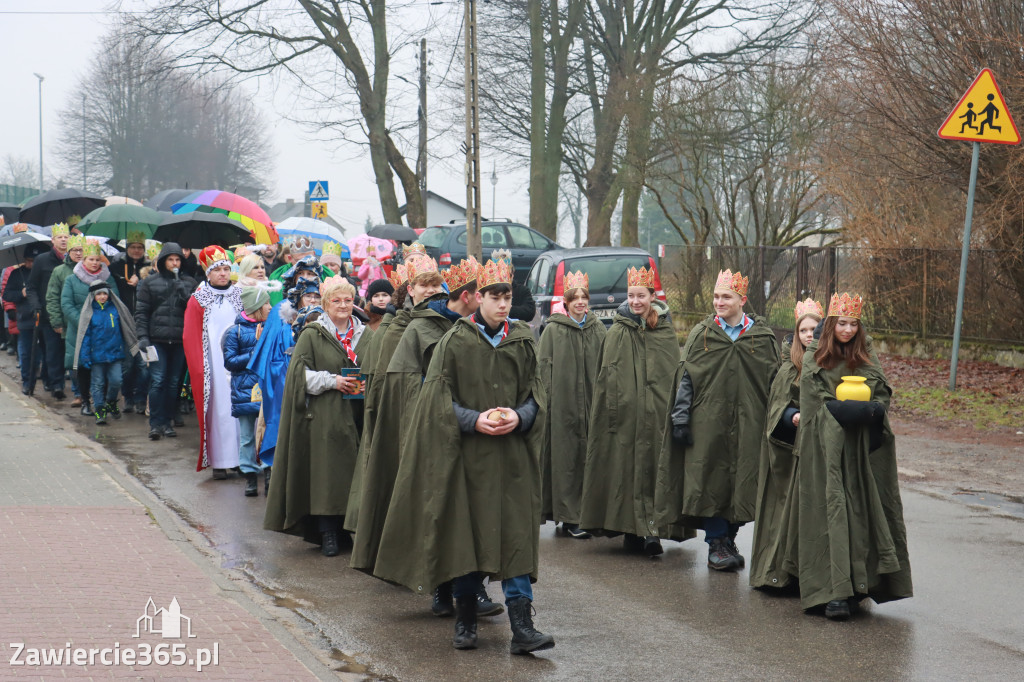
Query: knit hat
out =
(254, 298)
(377, 286)
(99, 286)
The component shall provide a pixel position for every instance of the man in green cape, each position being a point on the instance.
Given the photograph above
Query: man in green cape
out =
(708, 477)
(467, 499)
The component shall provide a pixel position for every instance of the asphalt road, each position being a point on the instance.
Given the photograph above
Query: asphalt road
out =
(623, 617)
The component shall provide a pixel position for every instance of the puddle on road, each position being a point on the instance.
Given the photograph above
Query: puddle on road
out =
(350, 665)
(1005, 505)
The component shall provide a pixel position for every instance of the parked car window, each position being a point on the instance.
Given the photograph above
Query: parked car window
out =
(491, 237)
(523, 238)
(607, 273)
(433, 237)
(541, 272)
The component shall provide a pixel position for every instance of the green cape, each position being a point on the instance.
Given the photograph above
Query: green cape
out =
(717, 475)
(567, 363)
(400, 389)
(629, 427)
(466, 502)
(317, 441)
(853, 541)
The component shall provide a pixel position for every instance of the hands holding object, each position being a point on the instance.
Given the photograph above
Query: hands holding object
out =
(497, 422)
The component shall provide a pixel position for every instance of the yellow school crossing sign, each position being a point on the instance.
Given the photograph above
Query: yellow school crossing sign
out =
(981, 115)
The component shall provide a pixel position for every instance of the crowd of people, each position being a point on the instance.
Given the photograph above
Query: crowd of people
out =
(414, 420)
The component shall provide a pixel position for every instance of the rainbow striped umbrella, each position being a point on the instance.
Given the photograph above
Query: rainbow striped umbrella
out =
(233, 206)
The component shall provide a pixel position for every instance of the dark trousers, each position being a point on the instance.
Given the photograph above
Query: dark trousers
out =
(83, 375)
(512, 588)
(163, 383)
(715, 528)
(135, 379)
(24, 355)
(53, 348)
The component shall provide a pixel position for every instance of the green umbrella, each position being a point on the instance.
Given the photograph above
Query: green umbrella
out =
(118, 221)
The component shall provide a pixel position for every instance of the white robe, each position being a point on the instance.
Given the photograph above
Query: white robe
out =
(222, 429)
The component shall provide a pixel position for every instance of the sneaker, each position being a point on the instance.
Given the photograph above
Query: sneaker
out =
(113, 410)
(736, 552)
(573, 531)
(155, 433)
(837, 609)
(720, 557)
(101, 416)
(170, 432)
(59, 394)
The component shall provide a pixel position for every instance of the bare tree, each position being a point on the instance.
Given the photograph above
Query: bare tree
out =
(19, 171)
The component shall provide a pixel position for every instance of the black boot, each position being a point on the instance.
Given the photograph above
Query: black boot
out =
(652, 546)
(266, 481)
(484, 605)
(837, 609)
(720, 556)
(329, 547)
(250, 485)
(525, 639)
(465, 622)
(442, 606)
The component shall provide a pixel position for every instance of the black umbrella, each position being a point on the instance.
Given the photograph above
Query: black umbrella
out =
(58, 205)
(10, 212)
(162, 201)
(197, 230)
(14, 248)
(400, 233)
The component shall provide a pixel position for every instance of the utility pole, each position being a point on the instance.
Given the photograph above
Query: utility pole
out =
(40, 131)
(473, 245)
(421, 158)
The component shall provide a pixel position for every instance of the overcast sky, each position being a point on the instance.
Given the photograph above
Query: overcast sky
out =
(57, 38)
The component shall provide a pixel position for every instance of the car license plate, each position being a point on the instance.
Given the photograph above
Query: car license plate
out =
(604, 313)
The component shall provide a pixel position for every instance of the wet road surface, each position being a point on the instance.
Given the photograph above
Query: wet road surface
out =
(623, 617)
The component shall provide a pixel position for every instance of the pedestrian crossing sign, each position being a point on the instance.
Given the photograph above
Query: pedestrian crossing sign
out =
(981, 115)
(318, 209)
(318, 190)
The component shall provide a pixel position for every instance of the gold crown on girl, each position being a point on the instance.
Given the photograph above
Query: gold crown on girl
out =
(398, 276)
(458, 276)
(808, 307)
(332, 249)
(640, 278)
(76, 241)
(494, 272)
(576, 280)
(845, 306)
(414, 249)
(736, 282)
(91, 248)
(420, 266)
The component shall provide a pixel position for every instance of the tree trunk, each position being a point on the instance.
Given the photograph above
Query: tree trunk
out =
(415, 211)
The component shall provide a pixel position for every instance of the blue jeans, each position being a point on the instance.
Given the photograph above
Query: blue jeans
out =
(715, 528)
(53, 347)
(135, 383)
(247, 444)
(513, 588)
(164, 375)
(104, 383)
(24, 355)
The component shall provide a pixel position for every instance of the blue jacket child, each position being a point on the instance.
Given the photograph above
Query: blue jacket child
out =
(106, 332)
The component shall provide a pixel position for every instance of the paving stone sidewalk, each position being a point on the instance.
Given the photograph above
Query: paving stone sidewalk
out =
(81, 557)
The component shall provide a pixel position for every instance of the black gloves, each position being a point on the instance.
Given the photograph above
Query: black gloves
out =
(854, 413)
(681, 434)
(817, 330)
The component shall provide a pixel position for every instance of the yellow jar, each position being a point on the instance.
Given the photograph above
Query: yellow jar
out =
(853, 388)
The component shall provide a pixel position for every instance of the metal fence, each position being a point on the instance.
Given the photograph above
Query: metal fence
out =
(906, 291)
(12, 194)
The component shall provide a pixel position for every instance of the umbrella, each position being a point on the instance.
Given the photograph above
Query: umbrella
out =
(247, 212)
(197, 230)
(359, 244)
(400, 233)
(59, 205)
(117, 220)
(10, 212)
(108, 246)
(12, 249)
(162, 201)
(317, 230)
(8, 230)
(115, 200)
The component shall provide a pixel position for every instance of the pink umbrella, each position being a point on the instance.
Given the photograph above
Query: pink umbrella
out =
(360, 248)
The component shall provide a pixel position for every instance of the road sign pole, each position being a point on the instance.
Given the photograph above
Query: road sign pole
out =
(963, 267)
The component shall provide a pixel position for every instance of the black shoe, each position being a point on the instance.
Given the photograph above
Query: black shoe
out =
(484, 605)
(155, 433)
(736, 552)
(178, 421)
(101, 416)
(652, 546)
(113, 410)
(525, 639)
(837, 609)
(25, 390)
(442, 604)
(329, 546)
(573, 531)
(11, 350)
(633, 543)
(720, 557)
(251, 489)
(86, 409)
(266, 481)
(220, 474)
(465, 622)
(170, 432)
(59, 394)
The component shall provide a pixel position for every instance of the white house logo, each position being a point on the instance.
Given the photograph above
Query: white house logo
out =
(164, 622)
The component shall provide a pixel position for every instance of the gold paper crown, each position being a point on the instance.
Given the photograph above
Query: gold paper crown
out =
(808, 307)
(135, 237)
(494, 272)
(76, 241)
(153, 250)
(458, 276)
(19, 227)
(398, 276)
(576, 280)
(332, 249)
(733, 282)
(640, 278)
(91, 248)
(845, 306)
(212, 256)
(60, 229)
(240, 253)
(414, 249)
(420, 266)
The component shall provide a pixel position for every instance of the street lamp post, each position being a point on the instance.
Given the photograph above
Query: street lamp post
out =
(494, 188)
(40, 131)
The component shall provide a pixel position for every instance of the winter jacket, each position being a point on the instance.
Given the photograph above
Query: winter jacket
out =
(24, 313)
(523, 307)
(72, 298)
(122, 269)
(42, 268)
(10, 309)
(102, 342)
(160, 302)
(54, 290)
(239, 342)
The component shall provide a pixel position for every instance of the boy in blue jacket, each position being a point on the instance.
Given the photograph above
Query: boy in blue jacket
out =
(238, 343)
(105, 330)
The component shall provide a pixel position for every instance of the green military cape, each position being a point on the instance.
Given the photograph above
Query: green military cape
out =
(853, 541)
(466, 502)
(717, 475)
(382, 347)
(317, 441)
(400, 388)
(629, 427)
(773, 558)
(567, 364)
